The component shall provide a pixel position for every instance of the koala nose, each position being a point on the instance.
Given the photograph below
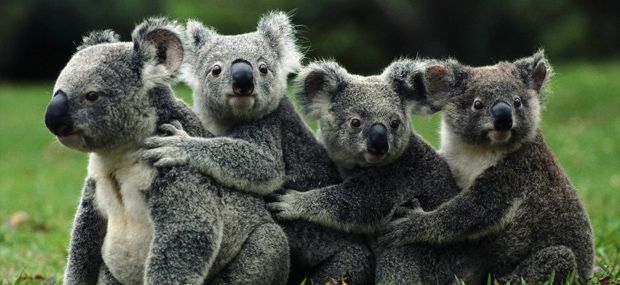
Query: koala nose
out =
(502, 116)
(242, 77)
(57, 117)
(377, 139)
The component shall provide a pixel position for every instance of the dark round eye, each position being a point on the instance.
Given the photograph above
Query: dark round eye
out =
(395, 124)
(356, 123)
(263, 68)
(91, 96)
(216, 70)
(478, 104)
(517, 102)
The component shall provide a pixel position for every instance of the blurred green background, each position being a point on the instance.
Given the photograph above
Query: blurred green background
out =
(40, 180)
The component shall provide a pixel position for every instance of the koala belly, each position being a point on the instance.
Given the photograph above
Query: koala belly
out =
(120, 198)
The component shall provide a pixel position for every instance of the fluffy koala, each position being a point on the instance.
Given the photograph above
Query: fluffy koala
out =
(137, 224)
(239, 86)
(364, 126)
(517, 209)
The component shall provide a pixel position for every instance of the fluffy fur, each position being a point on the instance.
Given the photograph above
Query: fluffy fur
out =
(373, 188)
(518, 215)
(264, 146)
(135, 223)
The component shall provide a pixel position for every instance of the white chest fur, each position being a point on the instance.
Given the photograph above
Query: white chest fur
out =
(466, 162)
(121, 182)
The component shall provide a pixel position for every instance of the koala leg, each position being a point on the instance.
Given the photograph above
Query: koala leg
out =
(263, 259)
(319, 253)
(538, 267)
(106, 277)
(429, 264)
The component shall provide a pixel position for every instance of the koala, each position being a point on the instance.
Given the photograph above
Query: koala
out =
(136, 223)
(517, 216)
(364, 127)
(239, 85)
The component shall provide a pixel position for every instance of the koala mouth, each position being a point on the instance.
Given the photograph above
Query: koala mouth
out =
(373, 158)
(500, 136)
(71, 140)
(245, 102)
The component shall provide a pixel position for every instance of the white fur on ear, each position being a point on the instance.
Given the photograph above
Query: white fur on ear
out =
(316, 83)
(197, 36)
(160, 44)
(277, 28)
(99, 37)
(535, 70)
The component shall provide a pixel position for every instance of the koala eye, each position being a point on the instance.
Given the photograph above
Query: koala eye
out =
(91, 96)
(216, 70)
(356, 123)
(478, 104)
(395, 124)
(263, 68)
(517, 102)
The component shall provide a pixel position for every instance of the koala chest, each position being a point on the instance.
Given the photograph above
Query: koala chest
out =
(467, 165)
(120, 197)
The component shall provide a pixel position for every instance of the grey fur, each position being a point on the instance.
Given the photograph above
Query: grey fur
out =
(265, 146)
(138, 224)
(518, 214)
(373, 189)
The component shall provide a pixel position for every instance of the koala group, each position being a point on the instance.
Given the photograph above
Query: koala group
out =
(239, 190)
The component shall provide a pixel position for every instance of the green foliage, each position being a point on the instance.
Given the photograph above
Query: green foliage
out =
(43, 179)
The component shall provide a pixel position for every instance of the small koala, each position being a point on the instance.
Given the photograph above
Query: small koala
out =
(137, 224)
(239, 87)
(364, 124)
(517, 216)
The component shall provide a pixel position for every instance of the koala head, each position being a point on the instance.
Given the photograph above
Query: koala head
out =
(492, 106)
(363, 121)
(100, 99)
(241, 77)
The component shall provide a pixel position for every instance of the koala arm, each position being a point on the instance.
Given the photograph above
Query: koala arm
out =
(483, 209)
(89, 229)
(356, 205)
(248, 159)
(187, 228)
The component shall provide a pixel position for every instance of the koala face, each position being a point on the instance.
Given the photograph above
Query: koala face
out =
(100, 98)
(491, 106)
(364, 121)
(241, 77)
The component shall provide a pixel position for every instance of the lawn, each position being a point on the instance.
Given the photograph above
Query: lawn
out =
(40, 181)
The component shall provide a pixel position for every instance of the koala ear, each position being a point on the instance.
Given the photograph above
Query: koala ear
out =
(98, 37)
(535, 70)
(316, 84)
(159, 43)
(277, 29)
(424, 85)
(199, 35)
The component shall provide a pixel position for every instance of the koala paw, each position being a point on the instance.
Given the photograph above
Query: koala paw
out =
(283, 204)
(166, 156)
(174, 129)
(398, 232)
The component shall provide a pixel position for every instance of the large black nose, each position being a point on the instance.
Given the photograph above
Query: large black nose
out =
(502, 116)
(242, 77)
(57, 118)
(377, 139)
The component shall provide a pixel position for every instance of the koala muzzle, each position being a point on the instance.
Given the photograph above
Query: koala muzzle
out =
(502, 116)
(242, 77)
(57, 118)
(377, 139)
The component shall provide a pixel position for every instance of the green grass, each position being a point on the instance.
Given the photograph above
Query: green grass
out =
(43, 179)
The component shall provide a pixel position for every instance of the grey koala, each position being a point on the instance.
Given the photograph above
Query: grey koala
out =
(518, 216)
(137, 224)
(365, 128)
(239, 86)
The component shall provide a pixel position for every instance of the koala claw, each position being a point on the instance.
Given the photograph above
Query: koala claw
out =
(280, 204)
(390, 235)
(165, 156)
(173, 129)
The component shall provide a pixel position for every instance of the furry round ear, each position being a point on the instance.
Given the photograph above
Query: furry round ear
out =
(199, 35)
(277, 29)
(98, 37)
(159, 43)
(424, 85)
(316, 84)
(535, 70)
